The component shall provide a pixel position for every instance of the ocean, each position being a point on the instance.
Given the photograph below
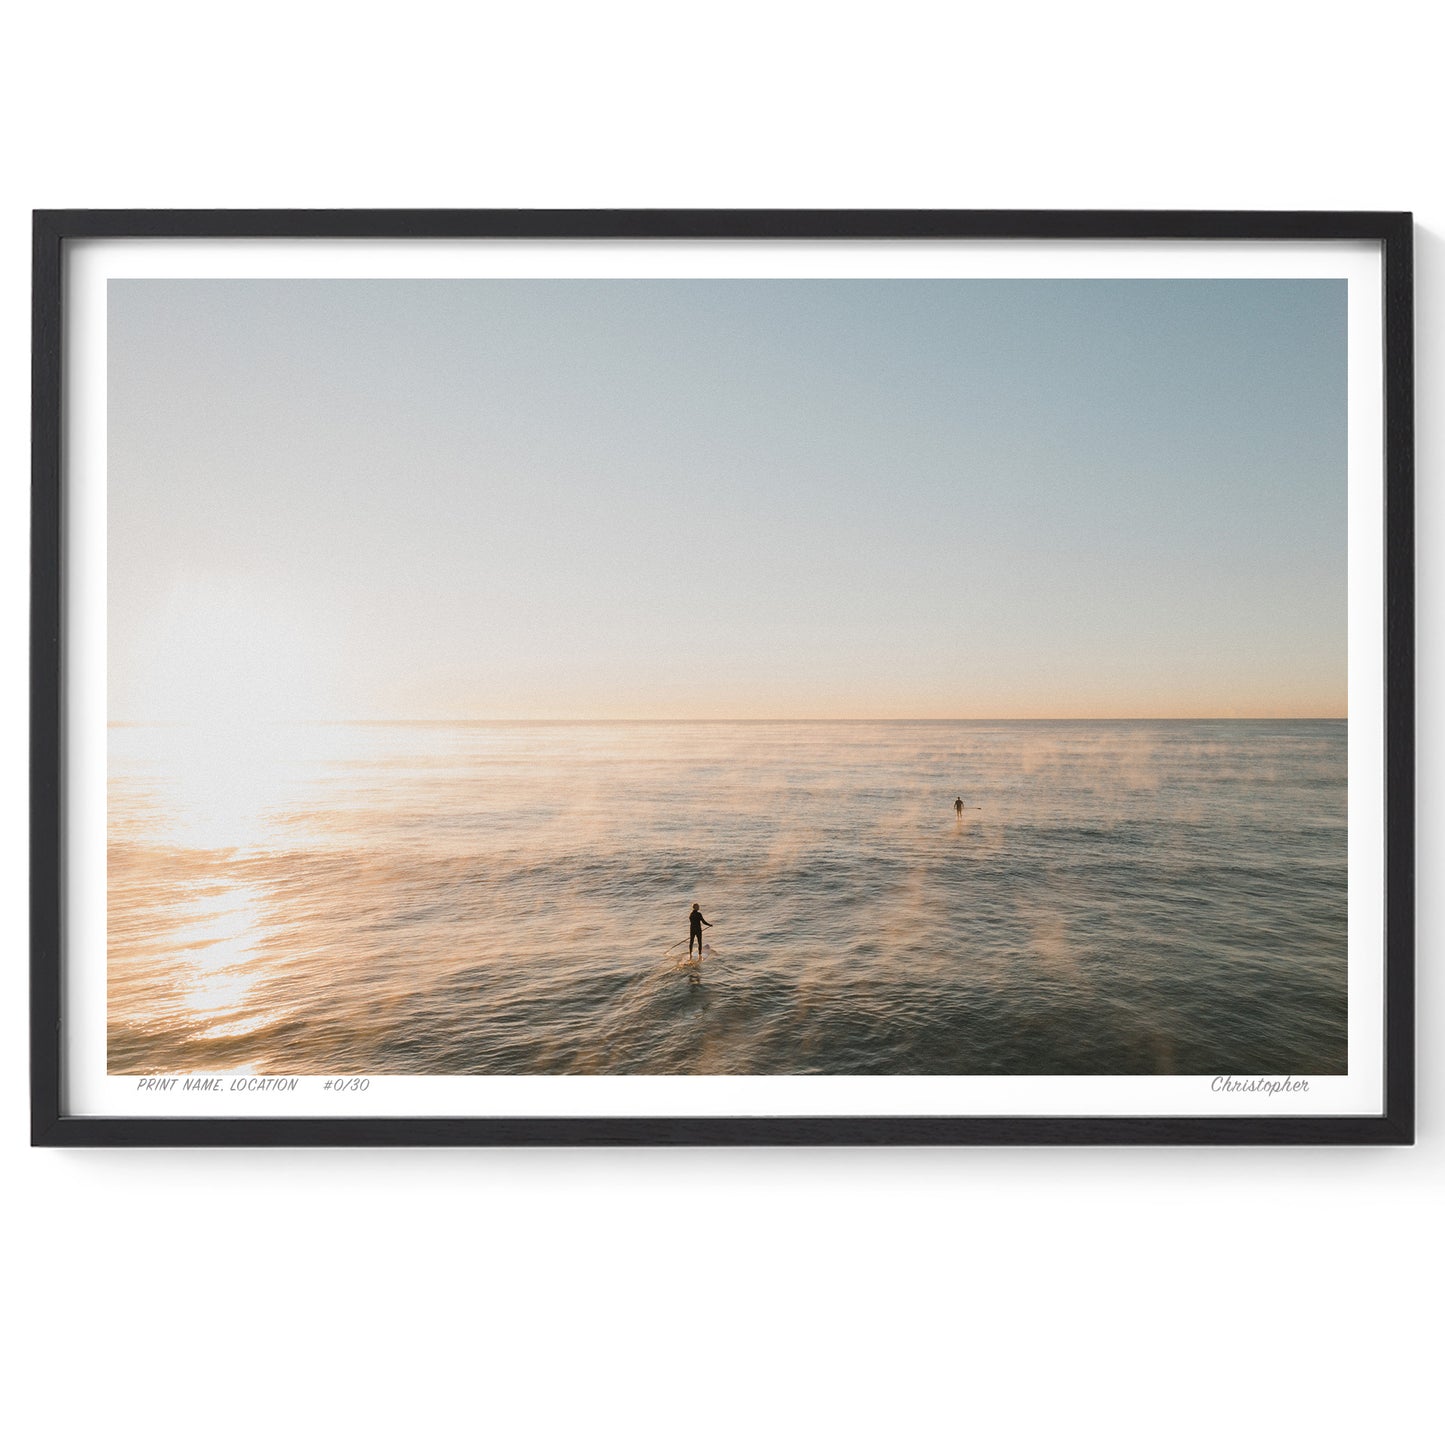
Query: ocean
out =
(1117, 898)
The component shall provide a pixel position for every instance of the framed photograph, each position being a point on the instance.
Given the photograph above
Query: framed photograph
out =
(700, 677)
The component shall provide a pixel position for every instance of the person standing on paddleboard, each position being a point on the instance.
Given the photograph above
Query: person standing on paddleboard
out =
(695, 925)
(958, 808)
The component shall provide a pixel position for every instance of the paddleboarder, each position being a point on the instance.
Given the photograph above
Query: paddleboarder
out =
(695, 925)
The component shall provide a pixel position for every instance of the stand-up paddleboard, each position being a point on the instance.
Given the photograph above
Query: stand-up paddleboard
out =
(679, 959)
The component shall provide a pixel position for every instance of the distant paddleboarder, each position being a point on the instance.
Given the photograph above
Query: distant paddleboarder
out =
(958, 808)
(695, 925)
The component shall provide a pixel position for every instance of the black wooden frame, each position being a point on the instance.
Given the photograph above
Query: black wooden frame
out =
(54, 229)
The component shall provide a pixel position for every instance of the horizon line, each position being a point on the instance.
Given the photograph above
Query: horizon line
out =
(703, 721)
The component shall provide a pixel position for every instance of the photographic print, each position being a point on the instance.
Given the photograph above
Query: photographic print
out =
(807, 680)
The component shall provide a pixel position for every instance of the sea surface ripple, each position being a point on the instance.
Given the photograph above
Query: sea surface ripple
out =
(1119, 898)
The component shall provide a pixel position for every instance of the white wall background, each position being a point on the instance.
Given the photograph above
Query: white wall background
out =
(990, 1295)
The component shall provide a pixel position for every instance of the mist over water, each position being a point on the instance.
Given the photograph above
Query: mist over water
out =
(1119, 898)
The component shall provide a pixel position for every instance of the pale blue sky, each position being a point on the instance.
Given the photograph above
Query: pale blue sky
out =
(727, 498)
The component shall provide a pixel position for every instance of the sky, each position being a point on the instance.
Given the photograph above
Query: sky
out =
(726, 499)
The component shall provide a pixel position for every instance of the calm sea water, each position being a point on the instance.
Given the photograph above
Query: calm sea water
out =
(1120, 898)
